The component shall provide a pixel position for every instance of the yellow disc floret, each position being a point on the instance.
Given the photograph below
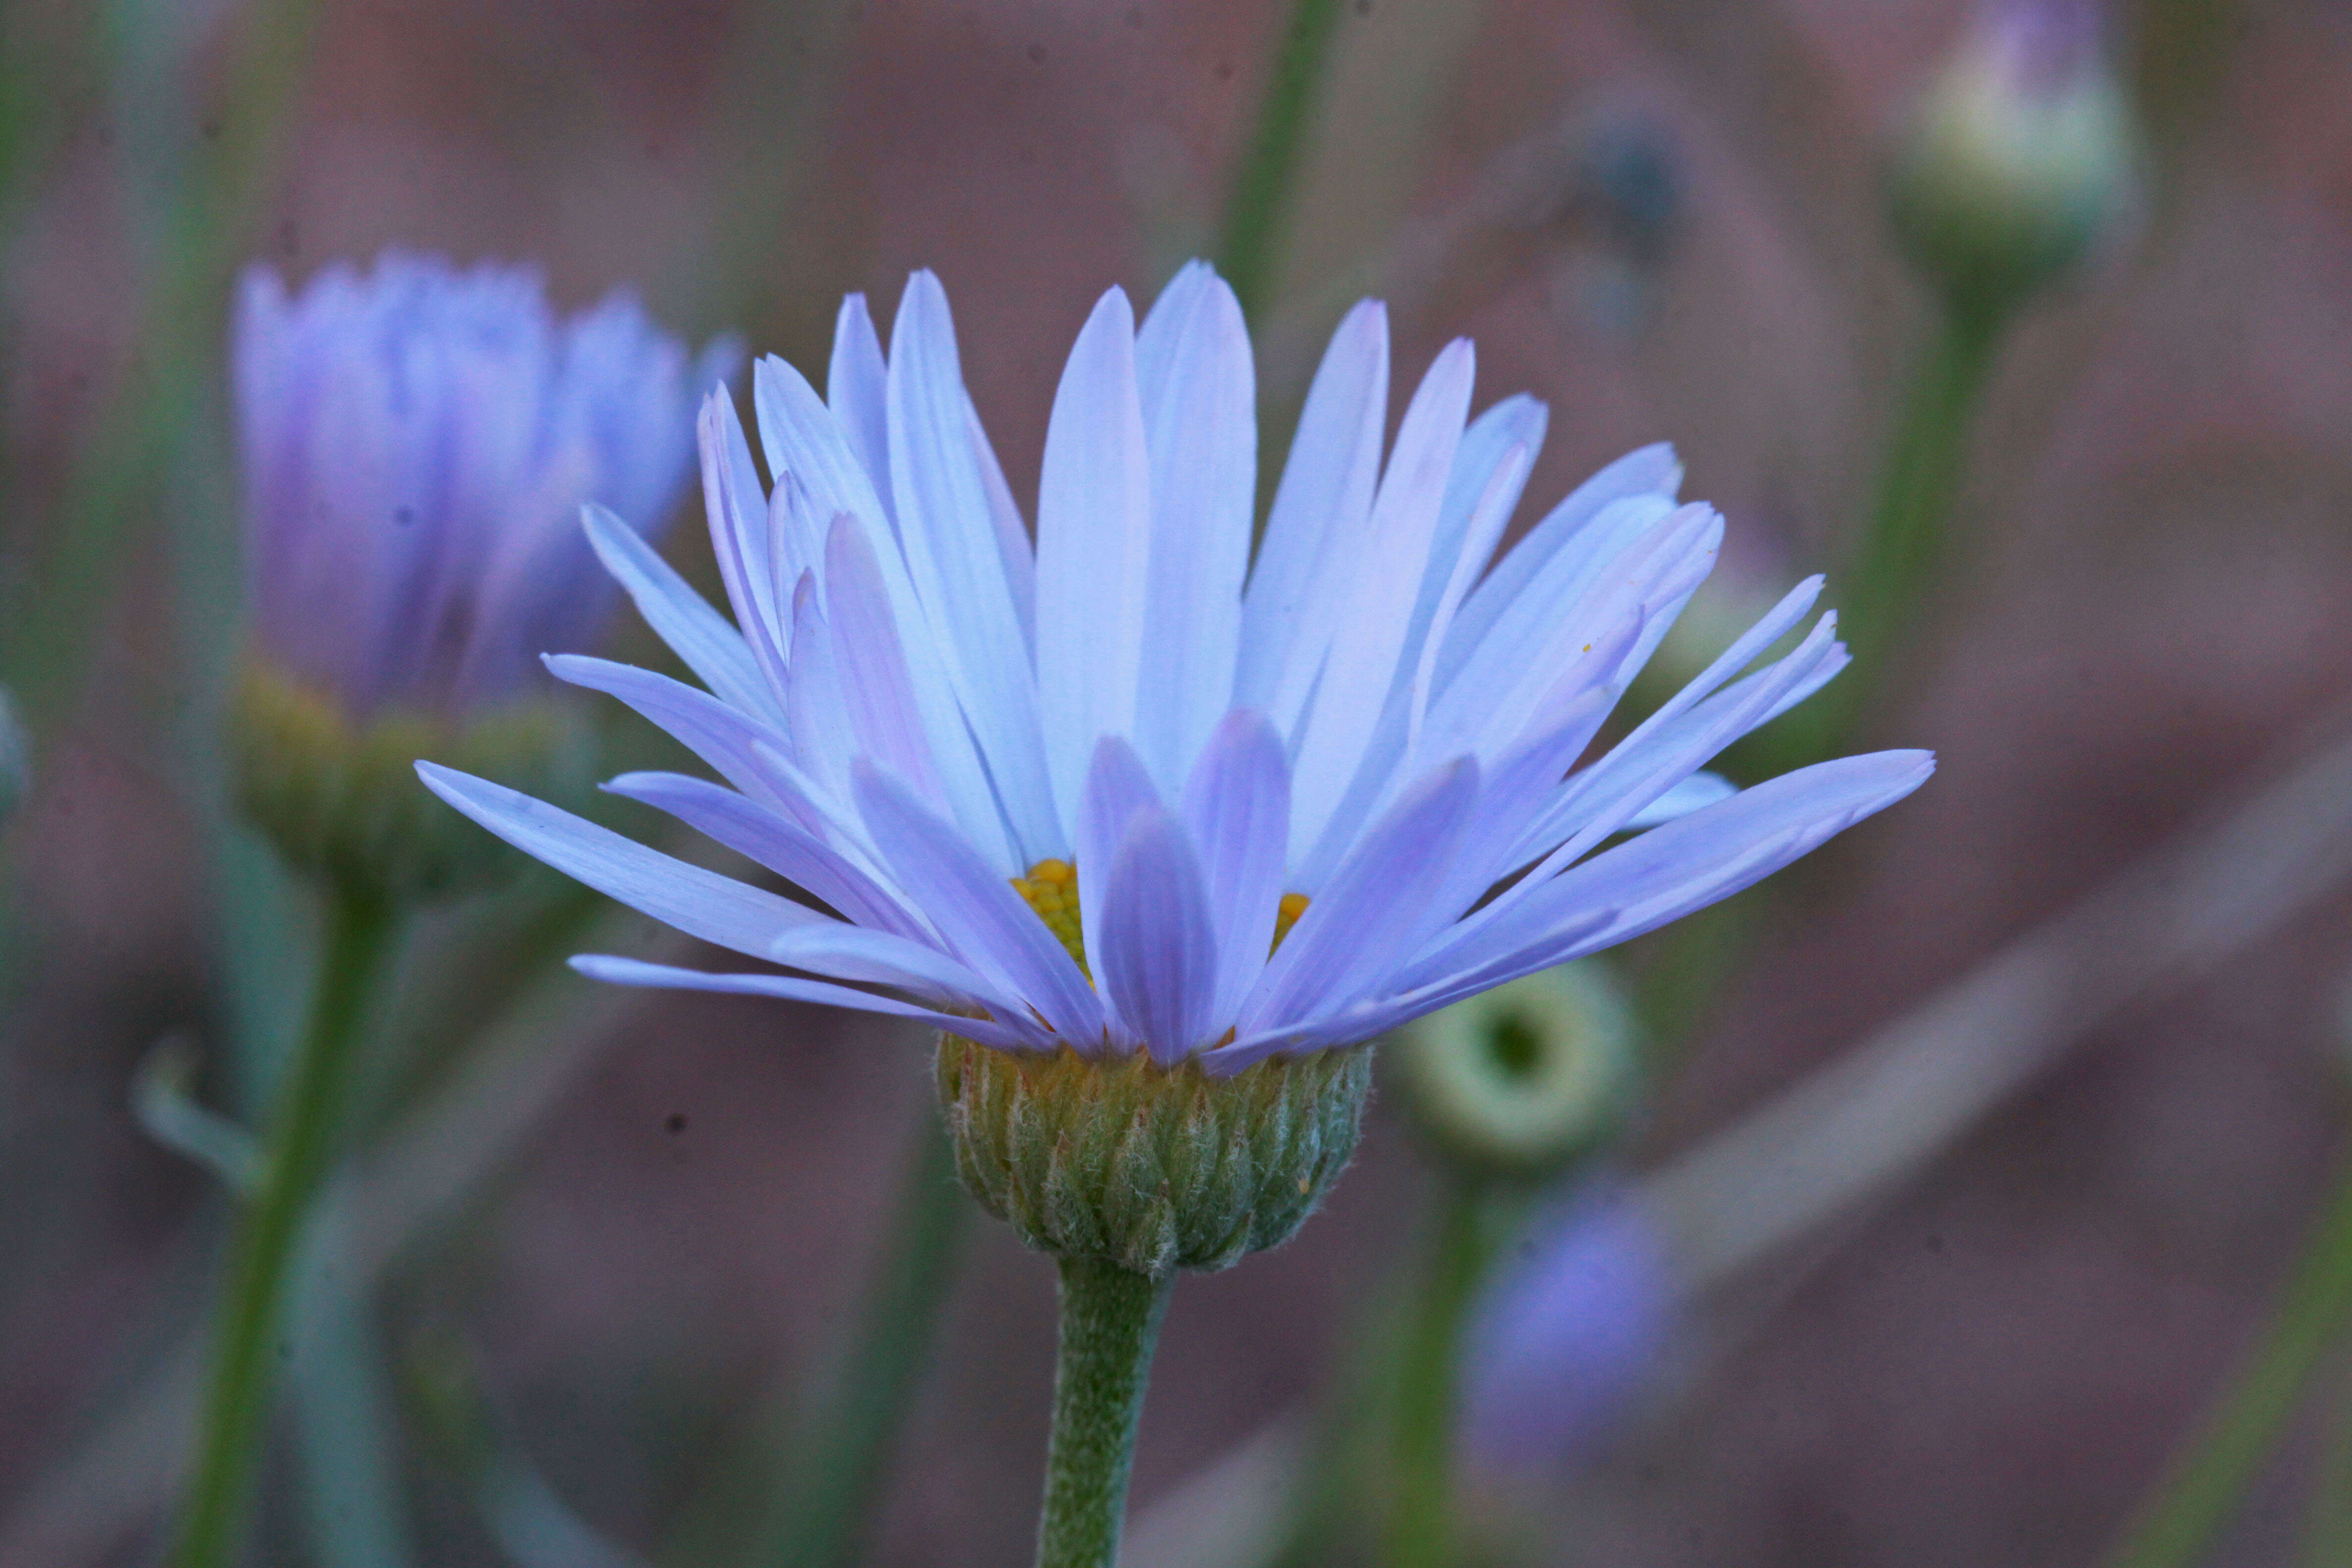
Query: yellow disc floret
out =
(1051, 889)
(1285, 915)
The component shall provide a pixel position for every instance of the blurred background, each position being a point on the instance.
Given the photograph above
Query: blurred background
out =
(593, 1248)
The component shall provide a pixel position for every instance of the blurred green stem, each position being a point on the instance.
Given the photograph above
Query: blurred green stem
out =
(846, 1447)
(361, 935)
(2201, 1489)
(1110, 1323)
(1888, 586)
(2328, 1541)
(1250, 246)
(1420, 1530)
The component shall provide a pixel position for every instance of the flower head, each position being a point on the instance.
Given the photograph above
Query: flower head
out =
(418, 441)
(1130, 790)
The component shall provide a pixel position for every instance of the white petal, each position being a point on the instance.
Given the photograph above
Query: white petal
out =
(1094, 537)
(1158, 960)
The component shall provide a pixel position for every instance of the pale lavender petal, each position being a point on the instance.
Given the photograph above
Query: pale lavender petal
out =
(1158, 958)
(620, 970)
(739, 534)
(953, 554)
(1386, 580)
(1237, 807)
(777, 842)
(1094, 541)
(1350, 936)
(855, 379)
(698, 902)
(1199, 397)
(1318, 522)
(1667, 872)
(1119, 788)
(985, 921)
(1695, 793)
(1652, 471)
(874, 681)
(681, 617)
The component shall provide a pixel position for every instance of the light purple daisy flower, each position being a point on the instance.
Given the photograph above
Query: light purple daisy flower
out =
(1079, 793)
(418, 441)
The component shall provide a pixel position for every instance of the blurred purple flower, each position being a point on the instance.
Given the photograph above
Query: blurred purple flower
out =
(417, 442)
(1568, 1335)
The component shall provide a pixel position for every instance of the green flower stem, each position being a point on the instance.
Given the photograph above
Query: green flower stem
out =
(2201, 1490)
(2327, 1543)
(1110, 1321)
(1889, 580)
(361, 938)
(845, 1448)
(1251, 244)
(1421, 1529)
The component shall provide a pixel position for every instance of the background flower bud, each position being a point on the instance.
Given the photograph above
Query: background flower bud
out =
(418, 443)
(2023, 155)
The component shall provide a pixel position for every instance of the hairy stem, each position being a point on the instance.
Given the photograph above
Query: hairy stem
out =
(1110, 1321)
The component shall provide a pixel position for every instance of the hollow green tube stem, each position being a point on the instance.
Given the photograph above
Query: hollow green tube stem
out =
(2208, 1480)
(846, 1449)
(1250, 246)
(1110, 1322)
(1421, 1529)
(360, 941)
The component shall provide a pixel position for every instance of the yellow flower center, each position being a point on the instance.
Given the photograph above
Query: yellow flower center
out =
(1051, 889)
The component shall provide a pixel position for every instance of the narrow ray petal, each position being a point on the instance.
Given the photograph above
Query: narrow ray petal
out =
(620, 970)
(1157, 962)
(1093, 539)
(698, 902)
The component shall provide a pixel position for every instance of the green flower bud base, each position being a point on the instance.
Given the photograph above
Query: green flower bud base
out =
(1151, 1169)
(340, 800)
